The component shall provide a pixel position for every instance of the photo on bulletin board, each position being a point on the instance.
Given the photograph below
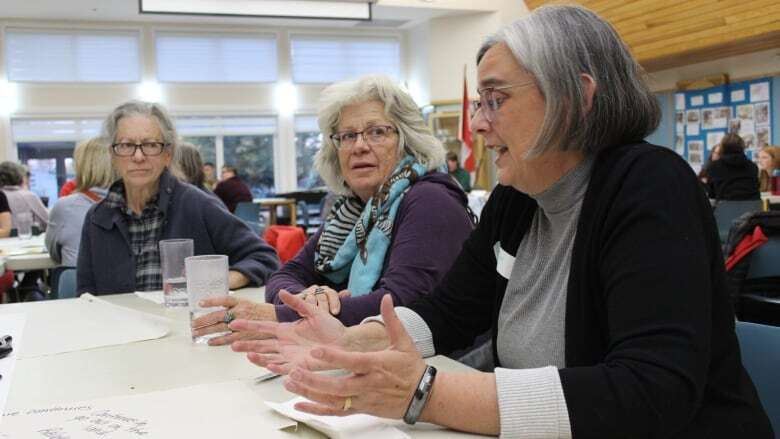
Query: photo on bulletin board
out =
(679, 145)
(762, 112)
(695, 152)
(714, 138)
(763, 134)
(759, 92)
(692, 118)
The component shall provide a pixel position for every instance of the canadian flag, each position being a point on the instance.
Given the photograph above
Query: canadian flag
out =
(467, 148)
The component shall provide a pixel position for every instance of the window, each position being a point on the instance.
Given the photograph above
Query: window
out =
(72, 56)
(321, 59)
(46, 147)
(245, 142)
(308, 141)
(209, 58)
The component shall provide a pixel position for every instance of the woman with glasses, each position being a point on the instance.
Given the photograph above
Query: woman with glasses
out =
(395, 228)
(119, 243)
(596, 265)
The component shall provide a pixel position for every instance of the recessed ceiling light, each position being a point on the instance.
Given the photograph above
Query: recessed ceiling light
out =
(319, 9)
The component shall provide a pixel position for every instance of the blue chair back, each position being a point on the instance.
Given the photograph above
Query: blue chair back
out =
(66, 284)
(726, 211)
(765, 260)
(760, 347)
(248, 211)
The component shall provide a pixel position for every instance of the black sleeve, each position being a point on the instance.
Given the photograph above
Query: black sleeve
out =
(655, 256)
(4, 203)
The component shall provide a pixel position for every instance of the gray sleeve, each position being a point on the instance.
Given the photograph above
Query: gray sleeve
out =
(54, 231)
(415, 326)
(531, 403)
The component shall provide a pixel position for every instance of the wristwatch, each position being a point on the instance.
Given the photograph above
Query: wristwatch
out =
(420, 396)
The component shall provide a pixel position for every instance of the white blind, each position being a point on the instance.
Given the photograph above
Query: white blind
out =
(225, 125)
(54, 130)
(322, 59)
(72, 56)
(306, 123)
(216, 58)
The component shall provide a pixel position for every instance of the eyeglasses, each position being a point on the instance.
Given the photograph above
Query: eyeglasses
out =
(371, 135)
(127, 149)
(490, 102)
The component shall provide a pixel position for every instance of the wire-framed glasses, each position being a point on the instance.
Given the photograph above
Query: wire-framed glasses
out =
(372, 135)
(490, 101)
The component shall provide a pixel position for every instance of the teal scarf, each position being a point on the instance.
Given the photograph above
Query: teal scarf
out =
(355, 238)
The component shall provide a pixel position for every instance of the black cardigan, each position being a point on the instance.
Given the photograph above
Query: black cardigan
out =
(733, 177)
(650, 345)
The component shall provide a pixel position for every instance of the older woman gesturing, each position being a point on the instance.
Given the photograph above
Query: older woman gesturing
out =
(119, 245)
(397, 225)
(596, 266)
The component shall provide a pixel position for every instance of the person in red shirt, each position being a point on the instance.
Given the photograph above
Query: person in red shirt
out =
(232, 190)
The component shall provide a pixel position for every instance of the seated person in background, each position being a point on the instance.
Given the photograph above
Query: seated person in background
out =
(119, 242)
(20, 199)
(768, 162)
(5, 216)
(191, 165)
(210, 174)
(461, 175)
(93, 177)
(713, 157)
(596, 265)
(397, 224)
(733, 176)
(231, 189)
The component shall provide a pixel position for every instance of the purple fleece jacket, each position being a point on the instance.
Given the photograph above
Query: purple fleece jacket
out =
(429, 230)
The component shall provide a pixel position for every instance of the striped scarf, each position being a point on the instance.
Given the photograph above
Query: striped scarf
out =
(356, 236)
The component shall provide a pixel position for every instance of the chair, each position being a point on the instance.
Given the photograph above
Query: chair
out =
(726, 211)
(247, 211)
(287, 240)
(762, 307)
(65, 283)
(761, 358)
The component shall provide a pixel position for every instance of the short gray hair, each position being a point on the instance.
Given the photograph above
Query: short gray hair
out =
(414, 136)
(11, 174)
(140, 108)
(556, 44)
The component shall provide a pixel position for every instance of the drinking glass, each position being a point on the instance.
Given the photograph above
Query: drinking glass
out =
(207, 275)
(24, 221)
(172, 255)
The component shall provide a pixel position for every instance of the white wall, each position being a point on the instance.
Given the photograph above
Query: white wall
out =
(452, 42)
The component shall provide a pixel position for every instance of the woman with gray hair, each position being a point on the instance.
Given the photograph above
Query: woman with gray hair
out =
(596, 265)
(397, 224)
(119, 243)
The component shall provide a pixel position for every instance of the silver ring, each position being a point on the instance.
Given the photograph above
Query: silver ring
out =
(319, 290)
(229, 317)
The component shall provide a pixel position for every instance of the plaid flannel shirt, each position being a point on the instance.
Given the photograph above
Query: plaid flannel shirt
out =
(145, 231)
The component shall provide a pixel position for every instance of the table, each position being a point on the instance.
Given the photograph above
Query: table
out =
(273, 203)
(24, 254)
(166, 363)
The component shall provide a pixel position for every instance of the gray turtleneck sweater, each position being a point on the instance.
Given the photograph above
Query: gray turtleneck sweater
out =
(531, 322)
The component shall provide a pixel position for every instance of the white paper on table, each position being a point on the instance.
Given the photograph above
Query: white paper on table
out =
(219, 410)
(155, 296)
(13, 325)
(86, 323)
(338, 427)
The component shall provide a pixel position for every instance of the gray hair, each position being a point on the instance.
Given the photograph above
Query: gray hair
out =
(414, 136)
(140, 108)
(556, 44)
(152, 110)
(190, 163)
(11, 174)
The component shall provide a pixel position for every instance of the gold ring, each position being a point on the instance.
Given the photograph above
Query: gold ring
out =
(347, 403)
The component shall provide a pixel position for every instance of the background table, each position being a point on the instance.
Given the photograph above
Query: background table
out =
(35, 256)
(166, 363)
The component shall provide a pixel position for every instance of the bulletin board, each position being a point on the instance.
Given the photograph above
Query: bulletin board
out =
(703, 117)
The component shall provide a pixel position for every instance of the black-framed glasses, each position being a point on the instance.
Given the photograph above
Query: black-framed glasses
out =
(490, 101)
(371, 135)
(127, 149)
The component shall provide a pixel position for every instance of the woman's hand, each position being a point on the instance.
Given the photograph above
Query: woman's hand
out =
(291, 342)
(325, 297)
(381, 383)
(235, 309)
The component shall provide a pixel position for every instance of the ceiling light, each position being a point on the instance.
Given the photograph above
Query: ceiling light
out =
(335, 10)
(9, 99)
(150, 91)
